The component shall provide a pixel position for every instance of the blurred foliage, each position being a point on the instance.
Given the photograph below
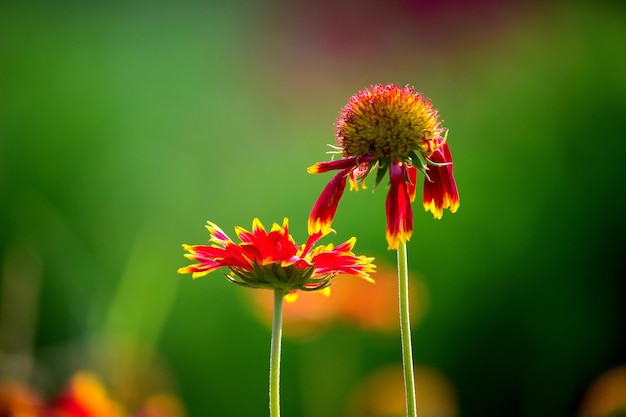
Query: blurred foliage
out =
(125, 126)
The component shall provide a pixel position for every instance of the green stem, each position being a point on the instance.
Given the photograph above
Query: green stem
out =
(405, 331)
(277, 330)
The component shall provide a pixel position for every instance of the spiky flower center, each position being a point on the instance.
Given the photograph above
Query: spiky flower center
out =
(387, 122)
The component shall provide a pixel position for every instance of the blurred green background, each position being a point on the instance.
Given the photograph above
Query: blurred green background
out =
(126, 125)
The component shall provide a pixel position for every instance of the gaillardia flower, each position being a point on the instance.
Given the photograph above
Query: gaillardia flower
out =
(273, 259)
(392, 129)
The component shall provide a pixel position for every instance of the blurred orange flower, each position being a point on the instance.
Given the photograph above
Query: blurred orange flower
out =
(381, 394)
(607, 395)
(84, 396)
(371, 306)
(18, 400)
(162, 405)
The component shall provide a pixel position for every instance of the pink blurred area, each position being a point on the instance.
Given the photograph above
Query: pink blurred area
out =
(358, 43)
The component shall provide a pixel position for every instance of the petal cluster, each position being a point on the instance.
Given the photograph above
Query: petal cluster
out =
(272, 259)
(391, 130)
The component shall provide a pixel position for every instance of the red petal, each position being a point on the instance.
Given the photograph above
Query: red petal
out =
(441, 191)
(399, 212)
(326, 166)
(412, 174)
(324, 209)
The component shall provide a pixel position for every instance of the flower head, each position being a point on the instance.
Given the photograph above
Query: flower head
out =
(274, 260)
(396, 130)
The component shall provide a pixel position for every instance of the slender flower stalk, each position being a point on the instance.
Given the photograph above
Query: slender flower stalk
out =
(395, 130)
(273, 260)
(405, 331)
(275, 350)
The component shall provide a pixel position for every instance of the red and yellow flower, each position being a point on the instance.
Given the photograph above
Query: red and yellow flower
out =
(392, 129)
(273, 260)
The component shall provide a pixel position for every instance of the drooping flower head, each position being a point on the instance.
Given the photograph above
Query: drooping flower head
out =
(273, 259)
(396, 130)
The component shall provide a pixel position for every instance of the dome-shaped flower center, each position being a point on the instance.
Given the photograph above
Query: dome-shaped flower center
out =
(387, 122)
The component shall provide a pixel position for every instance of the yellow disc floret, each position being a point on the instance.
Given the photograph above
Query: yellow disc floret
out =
(387, 122)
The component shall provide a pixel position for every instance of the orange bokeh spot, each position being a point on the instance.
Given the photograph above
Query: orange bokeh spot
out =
(607, 395)
(18, 400)
(370, 306)
(162, 405)
(85, 396)
(381, 394)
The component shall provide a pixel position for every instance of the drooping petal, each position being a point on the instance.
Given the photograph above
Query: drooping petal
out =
(412, 176)
(324, 209)
(326, 166)
(399, 212)
(441, 191)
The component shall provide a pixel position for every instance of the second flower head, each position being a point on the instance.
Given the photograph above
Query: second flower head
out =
(395, 130)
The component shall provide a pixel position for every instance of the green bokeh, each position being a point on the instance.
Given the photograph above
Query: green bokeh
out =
(125, 127)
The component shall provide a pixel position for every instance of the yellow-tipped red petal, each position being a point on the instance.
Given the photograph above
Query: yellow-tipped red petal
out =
(411, 186)
(342, 163)
(257, 226)
(441, 191)
(314, 169)
(324, 209)
(273, 260)
(217, 235)
(399, 211)
(199, 274)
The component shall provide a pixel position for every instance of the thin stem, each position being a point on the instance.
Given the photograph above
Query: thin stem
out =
(405, 331)
(277, 330)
